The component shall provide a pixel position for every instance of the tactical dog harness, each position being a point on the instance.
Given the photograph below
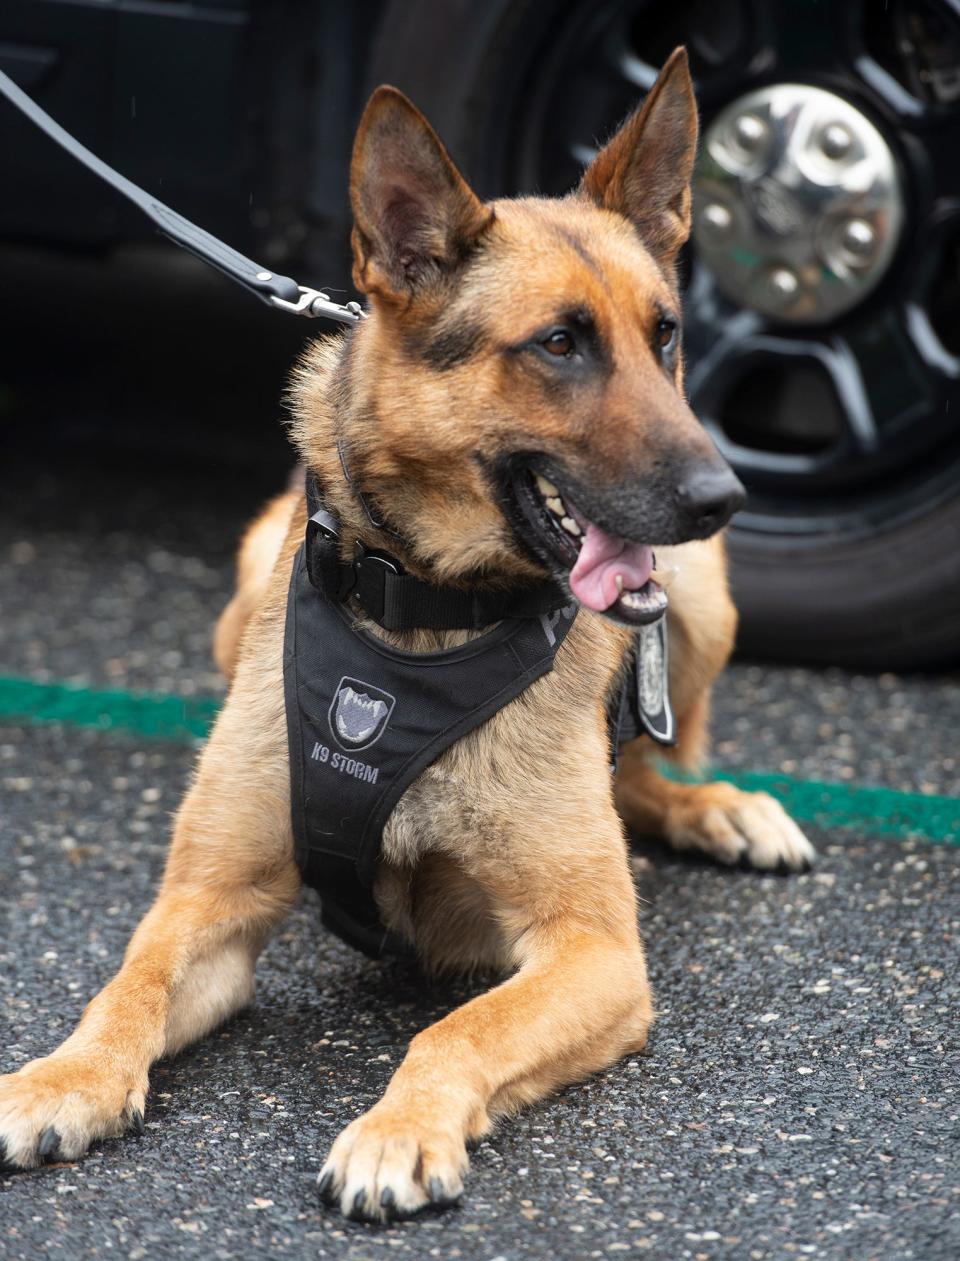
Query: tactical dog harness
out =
(364, 719)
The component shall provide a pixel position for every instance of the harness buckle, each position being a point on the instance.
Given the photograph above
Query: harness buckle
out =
(325, 523)
(374, 571)
(363, 554)
(322, 553)
(314, 304)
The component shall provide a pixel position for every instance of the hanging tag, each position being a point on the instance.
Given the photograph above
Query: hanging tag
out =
(653, 686)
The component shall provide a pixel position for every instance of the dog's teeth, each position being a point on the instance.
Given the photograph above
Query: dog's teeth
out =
(556, 506)
(664, 578)
(571, 526)
(641, 601)
(619, 581)
(545, 487)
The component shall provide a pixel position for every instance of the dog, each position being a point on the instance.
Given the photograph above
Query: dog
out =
(512, 411)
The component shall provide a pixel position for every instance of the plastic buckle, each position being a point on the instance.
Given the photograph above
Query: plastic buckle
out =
(324, 522)
(322, 553)
(371, 569)
(362, 553)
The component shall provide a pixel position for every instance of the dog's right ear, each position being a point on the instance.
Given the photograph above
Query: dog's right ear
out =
(644, 172)
(415, 217)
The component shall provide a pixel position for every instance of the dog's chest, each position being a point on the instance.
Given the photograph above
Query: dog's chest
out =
(470, 801)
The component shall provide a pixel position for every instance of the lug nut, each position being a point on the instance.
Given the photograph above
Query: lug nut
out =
(836, 141)
(717, 218)
(783, 284)
(858, 237)
(751, 131)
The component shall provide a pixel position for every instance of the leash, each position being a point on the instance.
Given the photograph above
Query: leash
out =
(281, 292)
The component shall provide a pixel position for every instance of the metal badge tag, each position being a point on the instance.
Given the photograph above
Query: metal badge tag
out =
(653, 685)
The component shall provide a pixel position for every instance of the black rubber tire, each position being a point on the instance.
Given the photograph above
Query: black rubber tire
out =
(888, 601)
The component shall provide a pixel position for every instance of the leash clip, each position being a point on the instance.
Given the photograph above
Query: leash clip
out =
(315, 304)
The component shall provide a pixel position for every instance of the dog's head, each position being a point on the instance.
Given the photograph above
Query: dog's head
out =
(517, 390)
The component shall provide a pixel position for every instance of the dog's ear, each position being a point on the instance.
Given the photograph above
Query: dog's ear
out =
(644, 171)
(415, 217)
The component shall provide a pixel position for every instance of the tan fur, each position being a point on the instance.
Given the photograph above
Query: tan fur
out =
(507, 853)
(258, 553)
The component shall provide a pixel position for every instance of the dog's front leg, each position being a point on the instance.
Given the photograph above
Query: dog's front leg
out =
(718, 819)
(230, 878)
(579, 1001)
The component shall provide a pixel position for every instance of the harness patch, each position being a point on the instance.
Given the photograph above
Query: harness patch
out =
(345, 765)
(359, 713)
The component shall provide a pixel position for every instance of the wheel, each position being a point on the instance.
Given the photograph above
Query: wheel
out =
(822, 281)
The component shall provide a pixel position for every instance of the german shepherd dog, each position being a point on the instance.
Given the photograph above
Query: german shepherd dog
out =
(517, 353)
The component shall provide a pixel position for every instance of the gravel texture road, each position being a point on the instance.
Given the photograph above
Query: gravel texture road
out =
(799, 1098)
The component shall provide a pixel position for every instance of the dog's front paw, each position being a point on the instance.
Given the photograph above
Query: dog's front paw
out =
(393, 1161)
(54, 1108)
(735, 826)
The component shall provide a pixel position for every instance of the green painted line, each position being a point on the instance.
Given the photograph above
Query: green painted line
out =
(878, 811)
(874, 811)
(158, 717)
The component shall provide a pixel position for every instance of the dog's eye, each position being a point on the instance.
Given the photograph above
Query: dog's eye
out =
(666, 337)
(560, 342)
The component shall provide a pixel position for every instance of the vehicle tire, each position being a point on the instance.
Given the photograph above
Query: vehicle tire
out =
(886, 602)
(854, 562)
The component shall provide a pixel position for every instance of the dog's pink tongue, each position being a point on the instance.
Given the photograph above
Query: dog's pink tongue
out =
(593, 579)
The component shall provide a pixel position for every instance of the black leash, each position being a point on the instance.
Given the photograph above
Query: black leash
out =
(280, 292)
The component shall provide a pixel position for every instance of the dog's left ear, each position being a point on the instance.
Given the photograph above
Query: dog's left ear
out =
(415, 216)
(644, 172)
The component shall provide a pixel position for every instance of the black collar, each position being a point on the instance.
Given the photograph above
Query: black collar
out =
(397, 600)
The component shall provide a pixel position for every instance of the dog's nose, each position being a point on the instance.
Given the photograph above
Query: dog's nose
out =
(710, 496)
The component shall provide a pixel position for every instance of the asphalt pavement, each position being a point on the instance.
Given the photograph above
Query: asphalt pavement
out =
(799, 1097)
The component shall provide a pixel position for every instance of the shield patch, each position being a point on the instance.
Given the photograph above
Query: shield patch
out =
(359, 713)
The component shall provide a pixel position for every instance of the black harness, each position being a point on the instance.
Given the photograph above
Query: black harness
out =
(364, 719)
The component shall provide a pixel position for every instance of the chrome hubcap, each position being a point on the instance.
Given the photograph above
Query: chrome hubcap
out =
(798, 203)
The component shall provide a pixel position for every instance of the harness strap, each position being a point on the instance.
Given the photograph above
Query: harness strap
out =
(397, 600)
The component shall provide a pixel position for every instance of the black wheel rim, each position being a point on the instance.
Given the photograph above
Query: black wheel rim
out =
(837, 430)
